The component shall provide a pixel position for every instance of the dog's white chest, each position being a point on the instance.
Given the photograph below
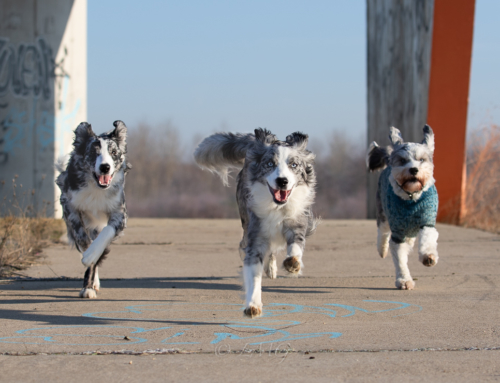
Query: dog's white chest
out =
(94, 201)
(272, 228)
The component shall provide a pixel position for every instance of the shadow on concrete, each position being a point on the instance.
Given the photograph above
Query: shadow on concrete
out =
(79, 320)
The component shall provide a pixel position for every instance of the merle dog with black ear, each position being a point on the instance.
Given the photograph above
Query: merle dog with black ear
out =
(275, 194)
(92, 196)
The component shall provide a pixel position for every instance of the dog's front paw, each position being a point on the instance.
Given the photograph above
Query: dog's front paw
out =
(97, 248)
(292, 265)
(429, 260)
(405, 284)
(88, 293)
(271, 268)
(253, 311)
(89, 256)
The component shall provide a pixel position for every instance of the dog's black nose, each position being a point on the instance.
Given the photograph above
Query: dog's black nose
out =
(413, 171)
(281, 182)
(104, 168)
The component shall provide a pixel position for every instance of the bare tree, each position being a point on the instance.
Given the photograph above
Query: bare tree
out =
(164, 183)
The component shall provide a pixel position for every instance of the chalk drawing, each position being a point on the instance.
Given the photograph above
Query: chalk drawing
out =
(270, 328)
(30, 336)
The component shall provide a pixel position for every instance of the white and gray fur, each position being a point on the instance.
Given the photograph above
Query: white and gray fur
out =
(92, 196)
(275, 192)
(410, 163)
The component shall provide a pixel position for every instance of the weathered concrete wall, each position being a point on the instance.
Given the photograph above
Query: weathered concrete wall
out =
(43, 93)
(399, 41)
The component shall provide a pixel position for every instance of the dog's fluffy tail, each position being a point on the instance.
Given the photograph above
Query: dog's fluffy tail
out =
(221, 152)
(377, 157)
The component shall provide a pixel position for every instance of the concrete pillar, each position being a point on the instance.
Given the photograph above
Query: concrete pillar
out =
(399, 37)
(419, 54)
(43, 94)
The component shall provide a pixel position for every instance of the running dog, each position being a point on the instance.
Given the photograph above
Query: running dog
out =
(92, 196)
(407, 202)
(275, 192)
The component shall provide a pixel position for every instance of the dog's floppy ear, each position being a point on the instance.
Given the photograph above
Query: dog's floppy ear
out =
(264, 136)
(428, 138)
(395, 136)
(83, 133)
(298, 139)
(120, 135)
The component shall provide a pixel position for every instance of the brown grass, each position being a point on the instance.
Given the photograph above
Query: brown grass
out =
(482, 202)
(23, 234)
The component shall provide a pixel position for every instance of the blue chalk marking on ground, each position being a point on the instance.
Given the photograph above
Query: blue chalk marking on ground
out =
(286, 336)
(49, 338)
(175, 336)
(268, 323)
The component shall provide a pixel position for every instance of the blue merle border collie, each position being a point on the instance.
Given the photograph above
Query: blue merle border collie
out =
(92, 196)
(275, 192)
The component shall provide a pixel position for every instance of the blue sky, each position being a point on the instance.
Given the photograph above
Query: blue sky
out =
(237, 65)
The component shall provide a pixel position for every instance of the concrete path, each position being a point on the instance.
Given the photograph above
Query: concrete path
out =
(170, 308)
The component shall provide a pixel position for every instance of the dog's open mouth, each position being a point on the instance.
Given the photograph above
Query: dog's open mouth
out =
(412, 185)
(103, 180)
(280, 196)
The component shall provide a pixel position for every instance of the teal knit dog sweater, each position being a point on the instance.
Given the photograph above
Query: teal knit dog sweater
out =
(407, 217)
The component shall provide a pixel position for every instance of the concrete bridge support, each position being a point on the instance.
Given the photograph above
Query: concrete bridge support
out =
(419, 56)
(43, 95)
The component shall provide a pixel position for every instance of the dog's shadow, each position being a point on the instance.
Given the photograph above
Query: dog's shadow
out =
(27, 300)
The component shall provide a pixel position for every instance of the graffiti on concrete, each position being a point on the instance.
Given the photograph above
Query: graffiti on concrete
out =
(275, 326)
(27, 70)
(66, 118)
(30, 71)
(15, 130)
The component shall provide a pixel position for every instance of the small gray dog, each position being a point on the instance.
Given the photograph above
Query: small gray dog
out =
(407, 201)
(275, 193)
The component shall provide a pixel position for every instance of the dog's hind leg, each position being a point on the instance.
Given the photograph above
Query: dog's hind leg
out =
(88, 281)
(91, 282)
(97, 283)
(384, 231)
(270, 267)
(383, 237)
(400, 251)
(427, 246)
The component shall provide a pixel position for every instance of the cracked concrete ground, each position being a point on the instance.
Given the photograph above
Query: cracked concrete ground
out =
(170, 308)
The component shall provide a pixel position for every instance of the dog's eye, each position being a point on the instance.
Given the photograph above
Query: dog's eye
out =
(270, 164)
(294, 165)
(113, 152)
(422, 160)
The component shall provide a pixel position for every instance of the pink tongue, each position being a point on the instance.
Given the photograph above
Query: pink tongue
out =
(280, 195)
(104, 179)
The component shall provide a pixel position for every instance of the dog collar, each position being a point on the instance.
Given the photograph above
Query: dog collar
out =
(408, 193)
